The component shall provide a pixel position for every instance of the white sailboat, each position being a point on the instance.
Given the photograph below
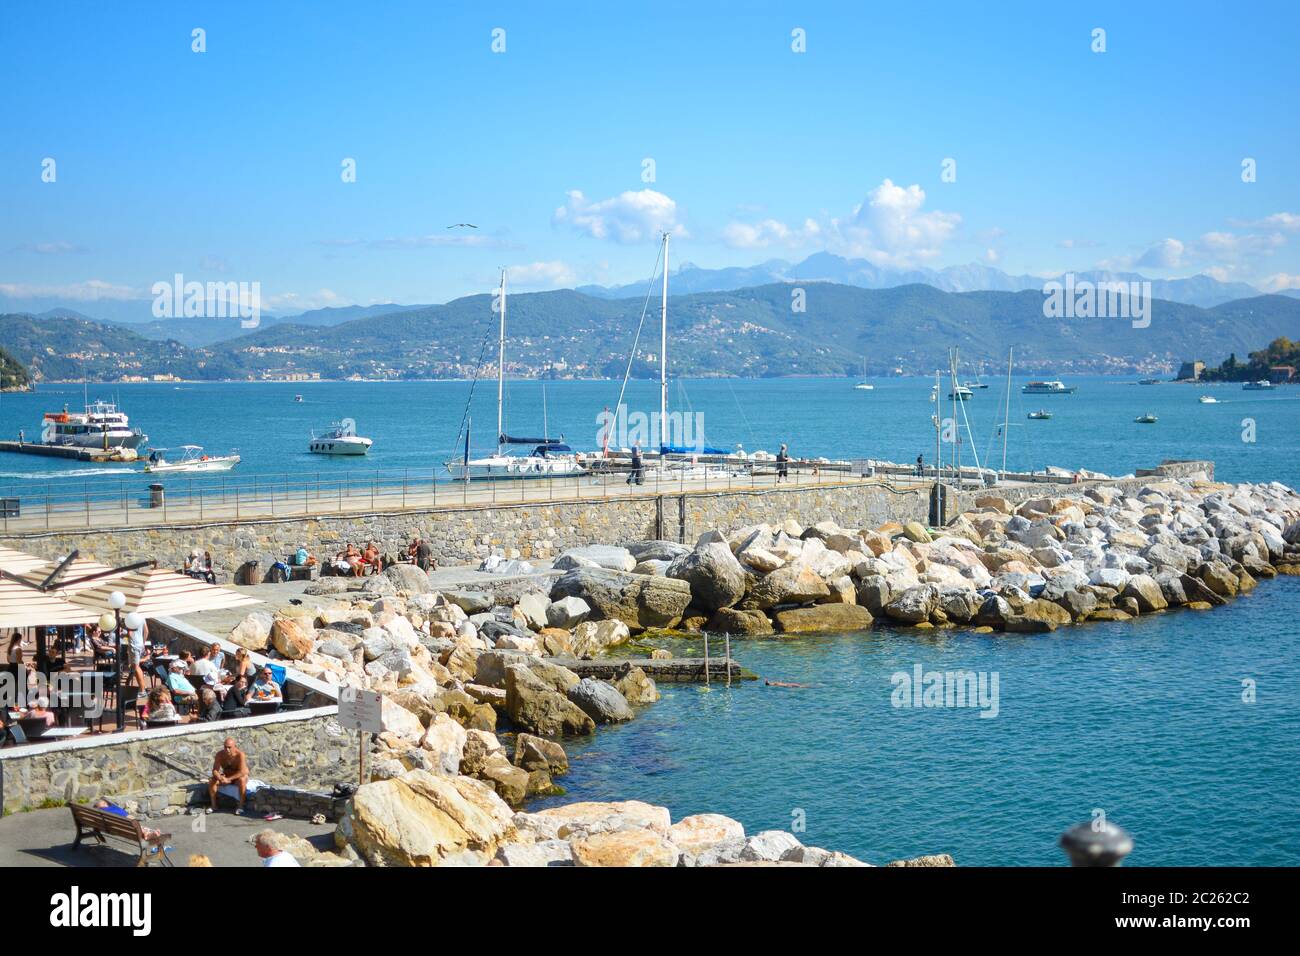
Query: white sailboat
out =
(549, 458)
(864, 385)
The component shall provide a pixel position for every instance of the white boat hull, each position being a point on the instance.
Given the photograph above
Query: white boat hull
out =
(222, 463)
(352, 445)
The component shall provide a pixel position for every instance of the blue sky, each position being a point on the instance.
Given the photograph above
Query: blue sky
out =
(226, 164)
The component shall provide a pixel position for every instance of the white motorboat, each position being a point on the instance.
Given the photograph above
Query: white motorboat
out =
(340, 439)
(961, 394)
(192, 459)
(1208, 400)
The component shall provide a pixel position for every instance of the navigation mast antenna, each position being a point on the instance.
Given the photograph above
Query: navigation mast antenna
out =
(501, 364)
(663, 358)
(1006, 419)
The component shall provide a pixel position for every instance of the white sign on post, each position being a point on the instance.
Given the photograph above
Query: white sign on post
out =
(360, 710)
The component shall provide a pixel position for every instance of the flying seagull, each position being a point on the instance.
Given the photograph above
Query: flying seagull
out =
(457, 225)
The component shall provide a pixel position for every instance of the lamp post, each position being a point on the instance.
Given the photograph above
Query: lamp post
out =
(117, 601)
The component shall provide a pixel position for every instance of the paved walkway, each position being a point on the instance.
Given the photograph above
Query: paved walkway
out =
(44, 838)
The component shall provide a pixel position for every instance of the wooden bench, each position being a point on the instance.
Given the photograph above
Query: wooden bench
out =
(101, 823)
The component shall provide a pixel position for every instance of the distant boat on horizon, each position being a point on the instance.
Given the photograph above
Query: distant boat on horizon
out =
(1053, 387)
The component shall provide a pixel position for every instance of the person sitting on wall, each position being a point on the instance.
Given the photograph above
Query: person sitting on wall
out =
(355, 560)
(372, 555)
(265, 689)
(229, 767)
(209, 574)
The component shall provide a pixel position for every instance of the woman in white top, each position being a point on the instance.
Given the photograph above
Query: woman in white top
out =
(14, 653)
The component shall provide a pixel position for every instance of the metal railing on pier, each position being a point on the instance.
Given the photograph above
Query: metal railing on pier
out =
(136, 500)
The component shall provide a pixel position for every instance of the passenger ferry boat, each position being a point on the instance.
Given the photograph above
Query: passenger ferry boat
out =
(1048, 388)
(1263, 385)
(101, 425)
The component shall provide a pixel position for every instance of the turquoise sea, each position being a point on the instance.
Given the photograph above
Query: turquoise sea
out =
(1144, 721)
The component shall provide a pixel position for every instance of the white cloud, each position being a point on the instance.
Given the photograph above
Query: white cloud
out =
(759, 235)
(1165, 254)
(628, 218)
(1286, 221)
(890, 227)
(289, 302)
(542, 275)
(88, 291)
(58, 248)
(1280, 281)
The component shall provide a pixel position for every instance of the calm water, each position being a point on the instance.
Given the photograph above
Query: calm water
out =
(1143, 720)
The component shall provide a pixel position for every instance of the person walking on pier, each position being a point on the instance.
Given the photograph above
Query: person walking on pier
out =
(920, 466)
(638, 468)
(782, 464)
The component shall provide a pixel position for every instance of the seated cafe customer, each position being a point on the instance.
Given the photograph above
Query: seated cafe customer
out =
(265, 689)
(179, 685)
(236, 701)
(209, 703)
(161, 708)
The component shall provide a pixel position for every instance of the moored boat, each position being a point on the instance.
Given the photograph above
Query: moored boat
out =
(1053, 387)
(1147, 419)
(1208, 400)
(340, 439)
(1041, 414)
(1262, 385)
(101, 425)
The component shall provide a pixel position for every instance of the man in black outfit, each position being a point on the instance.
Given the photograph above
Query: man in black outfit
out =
(920, 466)
(782, 464)
(638, 470)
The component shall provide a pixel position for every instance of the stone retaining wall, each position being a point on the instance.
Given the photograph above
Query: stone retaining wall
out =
(465, 534)
(301, 749)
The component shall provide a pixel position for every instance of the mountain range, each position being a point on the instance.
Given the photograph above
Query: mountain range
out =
(754, 332)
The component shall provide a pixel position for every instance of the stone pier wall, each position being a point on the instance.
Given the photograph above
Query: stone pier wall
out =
(465, 534)
(462, 535)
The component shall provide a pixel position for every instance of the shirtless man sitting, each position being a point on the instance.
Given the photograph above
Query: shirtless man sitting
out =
(230, 766)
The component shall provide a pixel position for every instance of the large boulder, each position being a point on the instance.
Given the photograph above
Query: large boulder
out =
(408, 577)
(639, 601)
(637, 687)
(913, 605)
(657, 550)
(538, 753)
(823, 617)
(624, 848)
(1146, 591)
(600, 701)
(699, 832)
(731, 620)
(567, 612)
(534, 606)
(291, 638)
(445, 739)
(572, 820)
(253, 632)
(595, 637)
(535, 706)
(422, 819)
(716, 578)
(471, 602)
(610, 557)
(1036, 617)
(794, 584)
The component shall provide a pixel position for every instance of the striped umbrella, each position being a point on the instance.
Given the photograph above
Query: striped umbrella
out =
(79, 568)
(22, 606)
(16, 562)
(154, 592)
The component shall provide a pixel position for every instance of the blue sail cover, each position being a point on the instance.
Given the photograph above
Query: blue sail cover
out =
(692, 450)
(511, 440)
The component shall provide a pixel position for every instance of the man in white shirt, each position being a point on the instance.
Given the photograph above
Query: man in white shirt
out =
(270, 847)
(206, 665)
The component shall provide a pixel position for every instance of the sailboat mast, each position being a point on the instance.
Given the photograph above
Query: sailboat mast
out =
(501, 364)
(663, 358)
(1006, 418)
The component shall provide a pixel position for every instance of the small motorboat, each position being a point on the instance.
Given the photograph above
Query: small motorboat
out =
(1208, 400)
(1041, 415)
(191, 459)
(1147, 419)
(865, 386)
(340, 439)
(298, 399)
(961, 394)
(1149, 381)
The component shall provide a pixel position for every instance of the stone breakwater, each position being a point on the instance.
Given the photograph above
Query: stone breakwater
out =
(453, 665)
